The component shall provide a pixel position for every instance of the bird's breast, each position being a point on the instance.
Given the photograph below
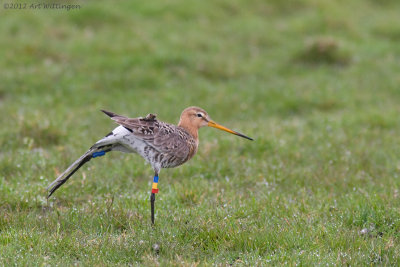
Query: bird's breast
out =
(176, 158)
(192, 150)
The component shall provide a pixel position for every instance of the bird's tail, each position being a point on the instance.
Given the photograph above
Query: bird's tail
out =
(93, 152)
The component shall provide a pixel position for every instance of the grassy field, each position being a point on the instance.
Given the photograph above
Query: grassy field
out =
(315, 83)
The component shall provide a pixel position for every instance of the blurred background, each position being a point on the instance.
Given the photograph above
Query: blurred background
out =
(315, 83)
(241, 61)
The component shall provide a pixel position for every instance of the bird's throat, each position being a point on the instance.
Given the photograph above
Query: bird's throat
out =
(194, 132)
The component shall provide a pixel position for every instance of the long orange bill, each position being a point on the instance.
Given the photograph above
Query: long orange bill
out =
(218, 126)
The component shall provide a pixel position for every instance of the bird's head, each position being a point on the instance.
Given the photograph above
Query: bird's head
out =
(195, 117)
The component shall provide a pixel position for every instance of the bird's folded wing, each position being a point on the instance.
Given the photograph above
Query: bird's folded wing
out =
(163, 137)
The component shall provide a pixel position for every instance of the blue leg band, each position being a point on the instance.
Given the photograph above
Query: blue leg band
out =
(98, 154)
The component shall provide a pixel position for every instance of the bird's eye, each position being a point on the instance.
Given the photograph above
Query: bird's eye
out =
(199, 115)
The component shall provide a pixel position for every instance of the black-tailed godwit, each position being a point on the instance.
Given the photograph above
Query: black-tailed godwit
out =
(161, 144)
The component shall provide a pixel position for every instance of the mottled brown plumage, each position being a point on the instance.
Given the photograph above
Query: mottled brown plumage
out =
(166, 145)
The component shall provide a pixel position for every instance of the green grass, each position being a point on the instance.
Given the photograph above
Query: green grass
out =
(315, 83)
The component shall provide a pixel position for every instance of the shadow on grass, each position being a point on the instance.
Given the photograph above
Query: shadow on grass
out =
(303, 106)
(324, 50)
(390, 32)
(37, 135)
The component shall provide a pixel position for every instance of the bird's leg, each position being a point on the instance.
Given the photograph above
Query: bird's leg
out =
(152, 199)
(154, 191)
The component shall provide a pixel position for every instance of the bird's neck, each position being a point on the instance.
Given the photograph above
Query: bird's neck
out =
(193, 131)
